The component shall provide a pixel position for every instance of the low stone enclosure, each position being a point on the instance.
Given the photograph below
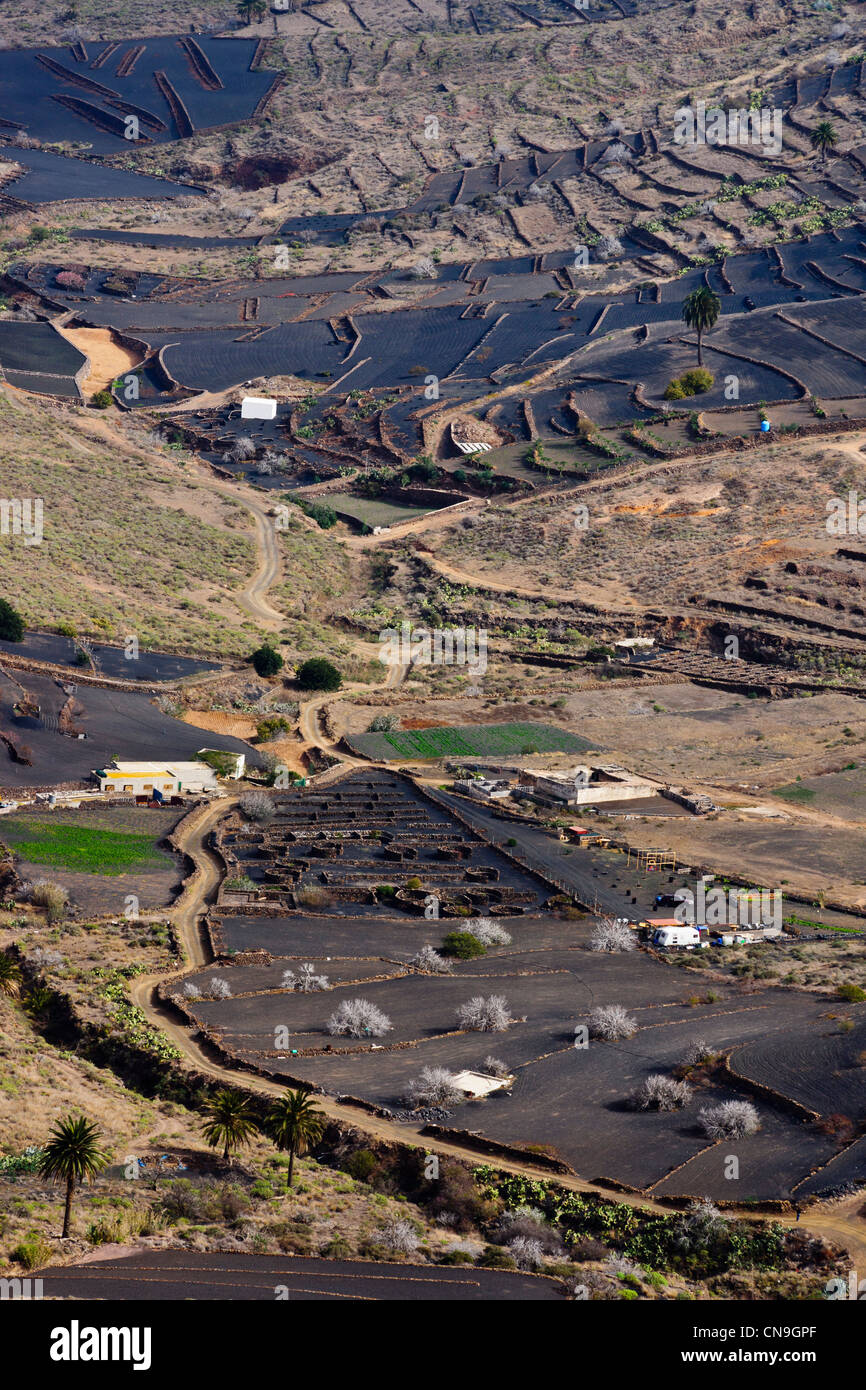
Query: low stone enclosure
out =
(285, 966)
(375, 841)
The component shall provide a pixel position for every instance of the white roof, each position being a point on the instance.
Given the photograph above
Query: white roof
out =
(148, 769)
(476, 1083)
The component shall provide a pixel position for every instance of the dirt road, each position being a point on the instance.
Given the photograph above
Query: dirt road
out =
(840, 1222)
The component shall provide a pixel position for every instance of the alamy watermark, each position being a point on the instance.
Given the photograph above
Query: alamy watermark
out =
(738, 907)
(22, 516)
(703, 125)
(422, 646)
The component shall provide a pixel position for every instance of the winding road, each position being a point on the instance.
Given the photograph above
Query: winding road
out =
(840, 1222)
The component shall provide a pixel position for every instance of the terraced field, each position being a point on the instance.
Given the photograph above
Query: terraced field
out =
(571, 1101)
(471, 740)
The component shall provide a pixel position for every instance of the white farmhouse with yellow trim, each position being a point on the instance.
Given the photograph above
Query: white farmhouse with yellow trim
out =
(144, 779)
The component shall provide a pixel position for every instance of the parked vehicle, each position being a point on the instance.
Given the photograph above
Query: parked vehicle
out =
(678, 938)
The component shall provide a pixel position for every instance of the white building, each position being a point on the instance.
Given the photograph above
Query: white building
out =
(169, 779)
(482, 788)
(258, 408)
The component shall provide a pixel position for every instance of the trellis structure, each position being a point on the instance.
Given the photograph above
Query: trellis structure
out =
(651, 860)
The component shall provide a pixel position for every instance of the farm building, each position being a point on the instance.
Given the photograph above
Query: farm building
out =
(482, 788)
(583, 786)
(146, 779)
(258, 408)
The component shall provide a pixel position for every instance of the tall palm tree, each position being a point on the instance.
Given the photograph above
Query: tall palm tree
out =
(231, 1123)
(295, 1124)
(823, 138)
(10, 976)
(701, 308)
(73, 1153)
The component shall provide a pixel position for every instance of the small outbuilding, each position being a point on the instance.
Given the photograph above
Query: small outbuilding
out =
(477, 1084)
(258, 408)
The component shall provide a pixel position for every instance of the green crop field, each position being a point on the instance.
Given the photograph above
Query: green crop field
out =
(470, 741)
(83, 848)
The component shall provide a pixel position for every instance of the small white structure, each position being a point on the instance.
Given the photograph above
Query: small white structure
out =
(476, 1084)
(472, 446)
(482, 788)
(687, 938)
(258, 408)
(169, 779)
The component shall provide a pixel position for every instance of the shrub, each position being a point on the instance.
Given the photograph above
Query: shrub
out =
(430, 962)
(399, 1236)
(53, 899)
(218, 988)
(610, 934)
(658, 1092)
(267, 729)
(31, 1253)
(492, 1066)
(696, 380)
(526, 1252)
(480, 1015)
(190, 991)
(487, 932)
(674, 391)
(697, 1052)
(731, 1119)
(853, 993)
(11, 622)
(70, 280)
(318, 674)
(464, 945)
(266, 661)
(306, 981)
(611, 1022)
(102, 399)
(434, 1086)
(360, 1165)
(493, 1257)
(383, 724)
(257, 806)
(358, 1018)
(324, 516)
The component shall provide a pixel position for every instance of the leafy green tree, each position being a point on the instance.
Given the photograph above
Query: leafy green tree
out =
(266, 660)
(72, 1154)
(318, 674)
(823, 139)
(11, 623)
(295, 1125)
(701, 308)
(231, 1123)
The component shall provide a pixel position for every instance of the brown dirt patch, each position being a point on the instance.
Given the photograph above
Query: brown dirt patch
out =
(216, 722)
(108, 359)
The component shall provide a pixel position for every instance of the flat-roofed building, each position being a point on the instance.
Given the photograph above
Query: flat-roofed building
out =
(148, 778)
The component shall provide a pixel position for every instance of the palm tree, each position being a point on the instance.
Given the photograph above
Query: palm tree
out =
(701, 308)
(231, 1122)
(73, 1152)
(248, 8)
(295, 1125)
(823, 138)
(10, 976)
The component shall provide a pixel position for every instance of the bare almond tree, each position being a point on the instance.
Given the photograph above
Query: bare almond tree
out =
(480, 1015)
(611, 1022)
(612, 934)
(434, 1086)
(659, 1092)
(358, 1018)
(731, 1119)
